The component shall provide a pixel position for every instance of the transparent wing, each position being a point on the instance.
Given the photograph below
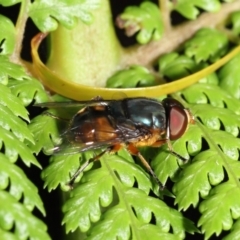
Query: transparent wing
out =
(124, 133)
(73, 104)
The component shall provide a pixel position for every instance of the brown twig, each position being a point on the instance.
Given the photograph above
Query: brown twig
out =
(146, 54)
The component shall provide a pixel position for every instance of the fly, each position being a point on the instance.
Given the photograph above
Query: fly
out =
(130, 122)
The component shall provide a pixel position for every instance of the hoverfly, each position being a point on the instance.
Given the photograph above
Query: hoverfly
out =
(129, 122)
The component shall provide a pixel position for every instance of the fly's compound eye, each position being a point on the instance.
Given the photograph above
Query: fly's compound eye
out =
(178, 122)
(178, 118)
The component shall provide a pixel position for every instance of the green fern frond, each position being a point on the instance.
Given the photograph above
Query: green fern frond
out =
(7, 40)
(229, 77)
(46, 133)
(14, 123)
(145, 19)
(207, 44)
(28, 90)
(175, 66)
(14, 215)
(19, 185)
(47, 14)
(9, 69)
(137, 217)
(214, 117)
(220, 208)
(13, 103)
(135, 76)
(202, 94)
(18, 194)
(60, 170)
(235, 20)
(6, 235)
(96, 191)
(14, 148)
(189, 9)
(235, 232)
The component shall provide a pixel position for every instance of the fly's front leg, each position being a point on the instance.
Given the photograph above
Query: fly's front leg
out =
(164, 141)
(134, 151)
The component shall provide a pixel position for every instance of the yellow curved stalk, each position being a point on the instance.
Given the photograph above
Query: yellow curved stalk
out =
(80, 92)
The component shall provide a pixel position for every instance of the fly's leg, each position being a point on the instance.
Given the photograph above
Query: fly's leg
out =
(55, 117)
(134, 151)
(162, 142)
(111, 149)
(81, 168)
(174, 153)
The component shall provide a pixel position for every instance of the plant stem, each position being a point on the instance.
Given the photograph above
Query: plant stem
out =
(146, 55)
(20, 28)
(165, 11)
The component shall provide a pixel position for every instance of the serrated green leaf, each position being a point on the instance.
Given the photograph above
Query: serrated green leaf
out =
(9, 69)
(235, 232)
(137, 222)
(189, 9)
(207, 169)
(165, 217)
(165, 164)
(207, 44)
(135, 76)
(9, 121)
(175, 66)
(214, 117)
(7, 37)
(13, 103)
(7, 3)
(47, 14)
(235, 20)
(6, 235)
(113, 219)
(229, 77)
(195, 179)
(96, 189)
(145, 19)
(220, 208)
(45, 131)
(14, 148)
(14, 215)
(60, 170)
(204, 93)
(13, 178)
(28, 90)
(127, 200)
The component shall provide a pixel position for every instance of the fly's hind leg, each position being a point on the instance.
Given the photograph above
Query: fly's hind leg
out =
(134, 151)
(55, 117)
(111, 149)
(81, 168)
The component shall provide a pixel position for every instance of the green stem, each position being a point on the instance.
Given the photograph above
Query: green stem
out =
(20, 29)
(165, 12)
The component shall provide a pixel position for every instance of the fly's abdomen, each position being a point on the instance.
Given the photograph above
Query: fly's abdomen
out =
(92, 124)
